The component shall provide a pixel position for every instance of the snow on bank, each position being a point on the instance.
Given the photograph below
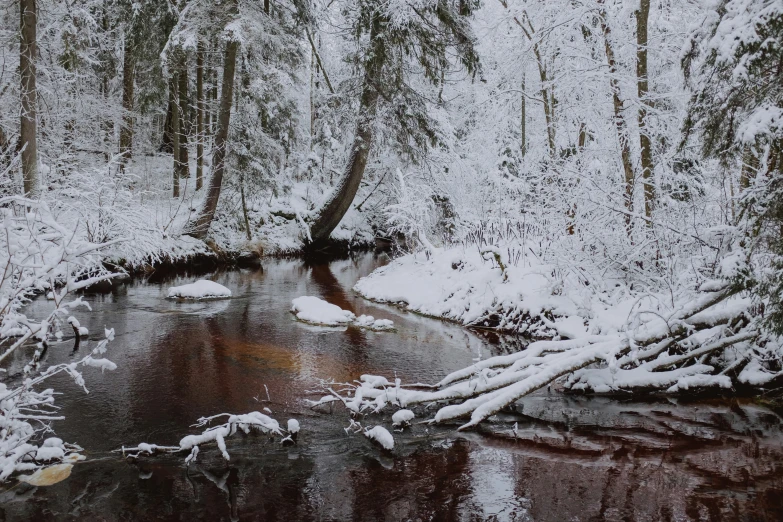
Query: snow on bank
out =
(464, 287)
(201, 289)
(317, 311)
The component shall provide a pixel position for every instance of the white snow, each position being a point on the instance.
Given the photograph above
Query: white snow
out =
(49, 453)
(371, 323)
(464, 287)
(401, 417)
(317, 311)
(201, 289)
(382, 436)
(293, 426)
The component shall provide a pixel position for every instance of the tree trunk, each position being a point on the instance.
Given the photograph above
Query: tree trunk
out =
(166, 144)
(200, 227)
(200, 116)
(28, 133)
(244, 207)
(523, 120)
(128, 82)
(175, 133)
(182, 101)
(619, 119)
(332, 213)
(547, 93)
(582, 139)
(642, 16)
(750, 165)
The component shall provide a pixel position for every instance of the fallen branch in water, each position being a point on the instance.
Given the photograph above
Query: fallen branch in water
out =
(683, 349)
(246, 423)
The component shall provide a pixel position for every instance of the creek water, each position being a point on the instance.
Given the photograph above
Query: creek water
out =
(570, 458)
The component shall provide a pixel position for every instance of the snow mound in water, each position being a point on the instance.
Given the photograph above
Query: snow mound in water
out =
(382, 436)
(371, 323)
(201, 289)
(317, 311)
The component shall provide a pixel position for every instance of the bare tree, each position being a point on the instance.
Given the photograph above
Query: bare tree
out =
(642, 16)
(128, 84)
(28, 133)
(619, 118)
(200, 115)
(175, 134)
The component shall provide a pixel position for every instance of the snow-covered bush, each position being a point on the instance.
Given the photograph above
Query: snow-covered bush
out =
(39, 255)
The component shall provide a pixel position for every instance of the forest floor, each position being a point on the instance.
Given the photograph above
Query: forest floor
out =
(138, 208)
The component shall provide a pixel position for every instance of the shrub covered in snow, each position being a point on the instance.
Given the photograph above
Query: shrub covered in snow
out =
(40, 255)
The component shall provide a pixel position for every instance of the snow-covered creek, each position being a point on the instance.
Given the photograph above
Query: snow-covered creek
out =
(571, 458)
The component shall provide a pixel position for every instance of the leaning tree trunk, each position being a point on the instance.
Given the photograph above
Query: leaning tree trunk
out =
(642, 16)
(128, 83)
(200, 227)
(28, 132)
(332, 213)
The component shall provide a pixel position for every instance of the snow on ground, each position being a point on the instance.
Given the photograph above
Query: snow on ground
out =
(201, 289)
(460, 285)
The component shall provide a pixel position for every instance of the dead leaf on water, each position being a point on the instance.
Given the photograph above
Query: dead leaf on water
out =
(48, 476)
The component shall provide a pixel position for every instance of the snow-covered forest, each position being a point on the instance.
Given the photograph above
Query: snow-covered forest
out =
(600, 178)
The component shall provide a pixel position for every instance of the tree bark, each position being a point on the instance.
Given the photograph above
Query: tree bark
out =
(642, 16)
(182, 101)
(523, 120)
(128, 84)
(28, 133)
(750, 165)
(545, 95)
(619, 120)
(332, 213)
(200, 227)
(199, 116)
(175, 133)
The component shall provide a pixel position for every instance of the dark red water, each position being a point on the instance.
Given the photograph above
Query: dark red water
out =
(570, 459)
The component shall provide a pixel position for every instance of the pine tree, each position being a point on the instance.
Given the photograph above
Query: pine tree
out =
(736, 68)
(393, 37)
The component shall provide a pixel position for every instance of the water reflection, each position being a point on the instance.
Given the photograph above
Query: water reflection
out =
(570, 458)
